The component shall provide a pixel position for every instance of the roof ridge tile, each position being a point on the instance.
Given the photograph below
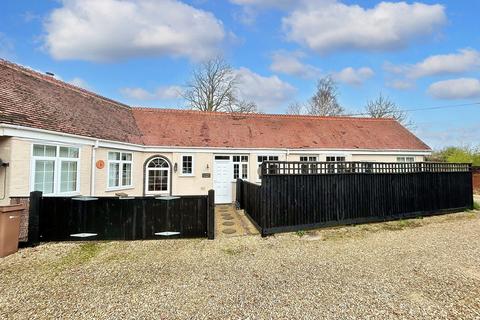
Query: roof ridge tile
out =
(259, 115)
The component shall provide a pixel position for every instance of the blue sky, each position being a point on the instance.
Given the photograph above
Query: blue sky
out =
(420, 54)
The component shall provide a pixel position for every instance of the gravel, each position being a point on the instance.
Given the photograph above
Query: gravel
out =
(414, 269)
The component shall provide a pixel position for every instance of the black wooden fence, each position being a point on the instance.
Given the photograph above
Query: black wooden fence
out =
(249, 197)
(114, 218)
(302, 198)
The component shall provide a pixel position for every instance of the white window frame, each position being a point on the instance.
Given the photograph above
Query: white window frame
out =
(57, 168)
(309, 168)
(335, 167)
(309, 158)
(405, 159)
(120, 178)
(240, 166)
(169, 176)
(180, 173)
(268, 156)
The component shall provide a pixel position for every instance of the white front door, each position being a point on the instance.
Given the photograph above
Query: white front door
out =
(222, 179)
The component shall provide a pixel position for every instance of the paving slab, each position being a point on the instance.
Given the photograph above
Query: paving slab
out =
(230, 222)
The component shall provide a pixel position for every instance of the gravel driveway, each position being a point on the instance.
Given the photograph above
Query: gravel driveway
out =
(428, 268)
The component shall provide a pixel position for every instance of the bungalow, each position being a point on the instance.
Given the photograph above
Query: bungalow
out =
(65, 141)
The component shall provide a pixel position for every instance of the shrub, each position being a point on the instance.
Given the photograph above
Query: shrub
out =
(300, 233)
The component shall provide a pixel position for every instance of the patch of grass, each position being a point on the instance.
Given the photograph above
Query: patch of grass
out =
(476, 205)
(88, 251)
(300, 233)
(232, 251)
(401, 224)
(338, 235)
(79, 256)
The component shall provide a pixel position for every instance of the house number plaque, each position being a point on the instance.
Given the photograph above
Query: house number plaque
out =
(100, 164)
(206, 175)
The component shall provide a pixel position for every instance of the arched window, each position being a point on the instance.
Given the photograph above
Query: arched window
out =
(157, 176)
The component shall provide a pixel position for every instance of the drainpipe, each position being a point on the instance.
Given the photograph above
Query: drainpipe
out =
(92, 174)
(288, 153)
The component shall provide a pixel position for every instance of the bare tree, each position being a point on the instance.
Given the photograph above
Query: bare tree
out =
(242, 106)
(383, 107)
(212, 87)
(295, 108)
(324, 101)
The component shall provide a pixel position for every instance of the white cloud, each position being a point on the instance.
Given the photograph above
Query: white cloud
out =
(6, 46)
(353, 76)
(268, 93)
(137, 94)
(111, 29)
(252, 8)
(161, 93)
(279, 4)
(289, 63)
(463, 61)
(463, 88)
(169, 92)
(450, 134)
(79, 82)
(400, 84)
(332, 26)
(29, 16)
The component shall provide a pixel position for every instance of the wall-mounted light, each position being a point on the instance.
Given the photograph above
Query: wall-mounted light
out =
(3, 164)
(175, 167)
(208, 168)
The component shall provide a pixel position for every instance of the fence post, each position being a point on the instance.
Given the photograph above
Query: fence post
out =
(263, 209)
(471, 186)
(211, 215)
(34, 218)
(238, 194)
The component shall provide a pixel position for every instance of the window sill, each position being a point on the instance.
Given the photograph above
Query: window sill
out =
(69, 194)
(66, 194)
(119, 188)
(186, 175)
(157, 194)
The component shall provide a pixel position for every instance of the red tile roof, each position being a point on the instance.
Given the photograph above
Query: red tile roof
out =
(167, 127)
(31, 99)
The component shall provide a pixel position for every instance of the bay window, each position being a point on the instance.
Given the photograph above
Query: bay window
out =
(55, 169)
(119, 169)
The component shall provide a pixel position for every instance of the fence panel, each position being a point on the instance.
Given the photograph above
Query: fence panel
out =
(318, 200)
(292, 197)
(112, 218)
(250, 199)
